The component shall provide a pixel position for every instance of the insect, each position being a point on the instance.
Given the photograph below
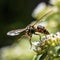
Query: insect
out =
(30, 29)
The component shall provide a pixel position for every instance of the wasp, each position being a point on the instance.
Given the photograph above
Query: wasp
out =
(30, 29)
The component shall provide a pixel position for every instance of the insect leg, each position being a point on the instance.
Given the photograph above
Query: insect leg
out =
(38, 35)
(23, 36)
(30, 40)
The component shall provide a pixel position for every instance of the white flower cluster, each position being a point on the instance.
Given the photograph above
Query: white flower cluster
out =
(48, 41)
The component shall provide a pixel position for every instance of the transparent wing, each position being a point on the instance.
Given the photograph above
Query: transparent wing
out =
(49, 12)
(15, 32)
(39, 20)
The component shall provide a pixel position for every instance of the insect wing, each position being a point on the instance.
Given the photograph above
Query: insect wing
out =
(15, 32)
(39, 20)
(49, 12)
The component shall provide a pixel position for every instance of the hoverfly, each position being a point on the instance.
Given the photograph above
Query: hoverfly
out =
(30, 29)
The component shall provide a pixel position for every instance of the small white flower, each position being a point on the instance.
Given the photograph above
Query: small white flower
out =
(35, 43)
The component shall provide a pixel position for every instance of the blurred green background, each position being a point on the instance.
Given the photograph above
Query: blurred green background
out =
(15, 14)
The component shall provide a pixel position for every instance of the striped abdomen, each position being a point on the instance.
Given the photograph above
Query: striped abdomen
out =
(42, 29)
